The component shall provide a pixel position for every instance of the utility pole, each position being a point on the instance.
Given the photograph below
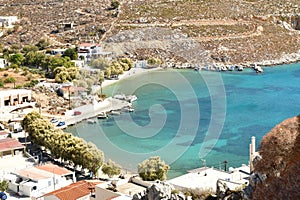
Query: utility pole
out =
(225, 165)
(204, 164)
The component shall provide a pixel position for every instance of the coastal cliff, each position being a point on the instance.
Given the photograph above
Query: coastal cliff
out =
(277, 173)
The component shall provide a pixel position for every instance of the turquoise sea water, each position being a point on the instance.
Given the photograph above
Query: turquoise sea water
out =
(187, 117)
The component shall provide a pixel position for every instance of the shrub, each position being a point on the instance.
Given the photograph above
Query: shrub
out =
(153, 169)
(115, 4)
(3, 185)
(9, 79)
(111, 168)
(1, 83)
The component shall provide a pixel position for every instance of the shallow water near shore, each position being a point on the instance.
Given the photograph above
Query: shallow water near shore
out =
(176, 109)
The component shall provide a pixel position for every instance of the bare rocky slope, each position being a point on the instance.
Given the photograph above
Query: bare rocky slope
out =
(221, 31)
(280, 162)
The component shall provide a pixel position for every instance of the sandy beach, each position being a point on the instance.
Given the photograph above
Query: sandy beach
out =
(130, 73)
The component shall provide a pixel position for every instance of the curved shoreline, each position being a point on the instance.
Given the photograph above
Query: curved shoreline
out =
(285, 60)
(131, 73)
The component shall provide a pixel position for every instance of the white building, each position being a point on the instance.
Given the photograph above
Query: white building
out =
(79, 63)
(58, 51)
(14, 97)
(88, 51)
(206, 178)
(8, 21)
(39, 180)
(3, 63)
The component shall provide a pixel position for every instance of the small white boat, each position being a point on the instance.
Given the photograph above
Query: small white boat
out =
(115, 112)
(128, 109)
(223, 68)
(258, 69)
(102, 115)
(131, 98)
(120, 96)
(91, 121)
(240, 68)
(231, 68)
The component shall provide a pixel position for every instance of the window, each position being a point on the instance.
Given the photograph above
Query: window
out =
(49, 183)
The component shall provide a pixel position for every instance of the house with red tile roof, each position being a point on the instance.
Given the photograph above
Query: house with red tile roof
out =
(80, 190)
(9, 146)
(39, 180)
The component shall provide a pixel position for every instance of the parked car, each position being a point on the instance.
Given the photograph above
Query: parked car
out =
(54, 120)
(77, 113)
(61, 124)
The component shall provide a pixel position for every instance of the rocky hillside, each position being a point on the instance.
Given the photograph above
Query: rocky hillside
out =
(280, 151)
(224, 31)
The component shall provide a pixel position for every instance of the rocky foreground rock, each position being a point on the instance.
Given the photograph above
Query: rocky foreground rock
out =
(277, 173)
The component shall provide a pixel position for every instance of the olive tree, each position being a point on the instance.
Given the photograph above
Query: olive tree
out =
(63, 145)
(153, 169)
(111, 168)
(3, 186)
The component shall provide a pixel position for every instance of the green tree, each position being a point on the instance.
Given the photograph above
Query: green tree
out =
(71, 53)
(42, 44)
(111, 168)
(107, 72)
(29, 48)
(1, 83)
(153, 169)
(9, 79)
(3, 186)
(114, 4)
(101, 79)
(116, 68)
(15, 48)
(100, 63)
(127, 61)
(17, 59)
(62, 145)
(154, 61)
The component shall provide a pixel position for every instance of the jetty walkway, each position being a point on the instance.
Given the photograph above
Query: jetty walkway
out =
(93, 110)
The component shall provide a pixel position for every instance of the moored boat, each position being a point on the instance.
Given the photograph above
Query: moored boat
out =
(114, 112)
(102, 115)
(91, 121)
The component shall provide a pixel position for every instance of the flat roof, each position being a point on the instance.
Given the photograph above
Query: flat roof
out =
(88, 44)
(75, 190)
(130, 188)
(206, 178)
(8, 144)
(14, 92)
(4, 132)
(43, 172)
(33, 173)
(54, 169)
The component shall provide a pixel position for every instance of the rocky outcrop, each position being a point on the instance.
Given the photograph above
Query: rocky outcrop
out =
(159, 191)
(224, 192)
(277, 173)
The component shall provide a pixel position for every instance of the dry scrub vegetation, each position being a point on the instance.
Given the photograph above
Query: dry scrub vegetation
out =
(243, 31)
